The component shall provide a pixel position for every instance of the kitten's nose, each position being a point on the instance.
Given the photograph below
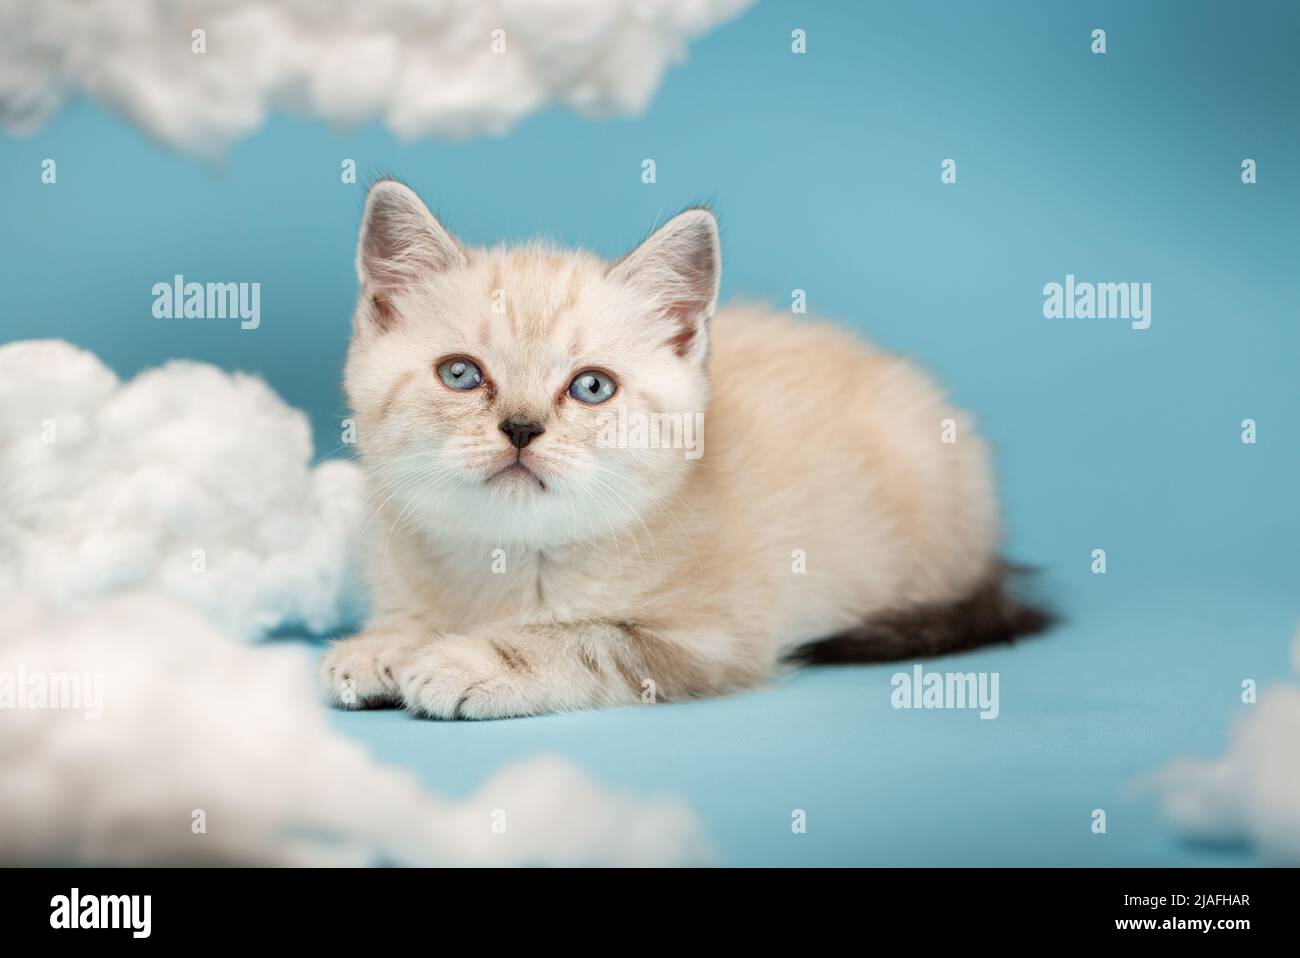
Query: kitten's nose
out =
(521, 431)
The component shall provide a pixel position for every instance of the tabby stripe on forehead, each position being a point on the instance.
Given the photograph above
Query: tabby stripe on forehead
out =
(572, 288)
(391, 396)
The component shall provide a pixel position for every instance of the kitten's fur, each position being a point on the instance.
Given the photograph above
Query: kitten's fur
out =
(623, 575)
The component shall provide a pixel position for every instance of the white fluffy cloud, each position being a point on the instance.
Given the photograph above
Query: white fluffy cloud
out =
(421, 66)
(186, 481)
(126, 702)
(1252, 793)
(188, 720)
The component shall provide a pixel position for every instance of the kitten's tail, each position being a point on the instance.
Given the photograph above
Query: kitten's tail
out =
(991, 614)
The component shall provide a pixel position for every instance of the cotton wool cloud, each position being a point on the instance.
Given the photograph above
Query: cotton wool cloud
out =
(181, 746)
(1251, 794)
(186, 481)
(450, 67)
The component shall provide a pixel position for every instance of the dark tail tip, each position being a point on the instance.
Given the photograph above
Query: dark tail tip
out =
(990, 615)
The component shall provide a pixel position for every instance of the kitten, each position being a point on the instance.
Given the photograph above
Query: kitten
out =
(531, 554)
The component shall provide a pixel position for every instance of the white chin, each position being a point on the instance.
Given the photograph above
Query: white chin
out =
(516, 478)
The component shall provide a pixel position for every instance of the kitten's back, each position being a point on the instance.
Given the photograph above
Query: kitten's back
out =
(834, 454)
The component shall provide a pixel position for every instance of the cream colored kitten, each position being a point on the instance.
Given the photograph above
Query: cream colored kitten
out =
(530, 554)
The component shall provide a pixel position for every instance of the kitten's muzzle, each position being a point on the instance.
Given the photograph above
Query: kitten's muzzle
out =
(521, 432)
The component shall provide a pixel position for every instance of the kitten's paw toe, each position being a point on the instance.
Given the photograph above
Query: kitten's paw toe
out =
(347, 693)
(359, 673)
(443, 685)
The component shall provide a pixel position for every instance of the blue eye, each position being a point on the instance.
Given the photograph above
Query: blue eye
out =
(591, 387)
(460, 374)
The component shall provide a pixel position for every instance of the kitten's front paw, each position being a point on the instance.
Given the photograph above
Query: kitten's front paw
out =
(361, 672)
(456, 678)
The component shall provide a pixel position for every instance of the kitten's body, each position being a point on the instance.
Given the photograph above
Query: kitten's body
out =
(825, 502)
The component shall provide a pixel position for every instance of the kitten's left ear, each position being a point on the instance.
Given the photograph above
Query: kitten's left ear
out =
(680, 266)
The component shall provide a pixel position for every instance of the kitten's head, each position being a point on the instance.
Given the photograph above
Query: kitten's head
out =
(488, 385)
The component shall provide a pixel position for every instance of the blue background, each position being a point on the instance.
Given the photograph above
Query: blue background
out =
(825, 171)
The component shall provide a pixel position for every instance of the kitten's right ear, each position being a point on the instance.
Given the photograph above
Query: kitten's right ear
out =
(400, 242)
(680, 265)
